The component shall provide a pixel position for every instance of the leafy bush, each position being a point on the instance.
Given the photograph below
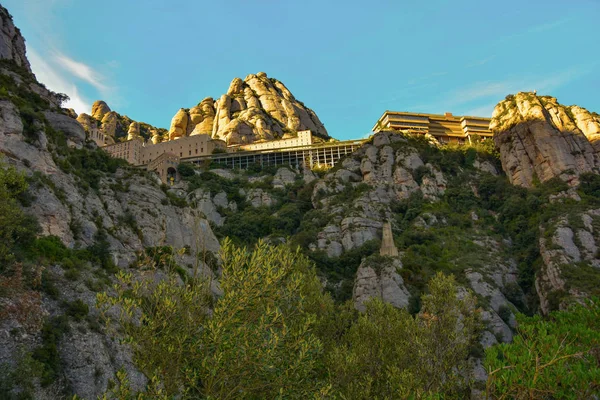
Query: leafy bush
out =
(89, 165)
(422, 358)
(258, 342)
(47, 353)
(78, 310)
(186, 169)
(549, 358)
(590, 185)
(16, 228)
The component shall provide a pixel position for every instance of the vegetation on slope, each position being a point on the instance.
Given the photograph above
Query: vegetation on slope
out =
(275, 334)
(556, 357)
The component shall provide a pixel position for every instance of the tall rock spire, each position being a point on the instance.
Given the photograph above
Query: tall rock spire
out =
(388, 248)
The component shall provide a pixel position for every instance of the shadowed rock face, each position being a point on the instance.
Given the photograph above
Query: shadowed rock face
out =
(12, 44)
(254, 109)
(540, 139)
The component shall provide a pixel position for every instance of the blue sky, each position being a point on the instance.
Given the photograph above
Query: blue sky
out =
(347, 60)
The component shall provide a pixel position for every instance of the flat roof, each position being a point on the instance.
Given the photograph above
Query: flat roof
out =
(450, 117)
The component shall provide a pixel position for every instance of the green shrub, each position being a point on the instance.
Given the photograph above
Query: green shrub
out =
(47, 353)
(17, 229)
(549, 358)
(186, 169)
(77, 310)
(421, 359)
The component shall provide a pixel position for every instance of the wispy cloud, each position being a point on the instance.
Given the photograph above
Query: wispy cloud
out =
(540, 28)
(549, 25)
(545, 83)
(481, 62)
(481, 97)
(482, 111)
(63, 74)
(53, 64)
(82, 71)
(55, 79)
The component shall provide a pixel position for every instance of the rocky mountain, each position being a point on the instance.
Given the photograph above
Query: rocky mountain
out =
(254, 109)
(540, 139)
(522, 242)
(383, 181)
(117, 127)
(257, 108)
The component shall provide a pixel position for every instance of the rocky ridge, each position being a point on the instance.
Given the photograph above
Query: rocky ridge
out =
(82, 201)
(540, 139)
(570, 263)
(257, 108)
(117, 127)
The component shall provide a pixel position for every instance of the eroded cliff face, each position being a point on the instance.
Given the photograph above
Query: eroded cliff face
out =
(82, 205)
(570, 265)
(254, 109)
(540, 139)
(384, 174)
(128, 207)
(12, 44)
(439, 204)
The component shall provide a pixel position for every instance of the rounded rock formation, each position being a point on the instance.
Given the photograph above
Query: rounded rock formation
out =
(134, 131)
(256, 108)
(100, 109)
(179, 125)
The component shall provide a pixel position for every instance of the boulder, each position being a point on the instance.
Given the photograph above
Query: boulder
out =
(380, 281)
(10, 120)
(72, 129)
(109, 124)
(259, 198)
(202, 117)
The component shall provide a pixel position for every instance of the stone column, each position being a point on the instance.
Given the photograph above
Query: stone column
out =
(388, 248)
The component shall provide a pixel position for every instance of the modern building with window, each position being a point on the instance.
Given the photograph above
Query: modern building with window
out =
(446, 128)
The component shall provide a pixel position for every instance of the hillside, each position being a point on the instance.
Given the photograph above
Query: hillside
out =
(269, 281)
